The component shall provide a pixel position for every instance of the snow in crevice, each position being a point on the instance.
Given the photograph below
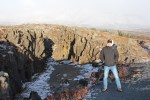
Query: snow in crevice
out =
(40, 84)
(3, 46)
(86, 71)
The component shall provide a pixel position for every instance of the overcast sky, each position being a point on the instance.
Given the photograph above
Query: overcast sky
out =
(94, 13)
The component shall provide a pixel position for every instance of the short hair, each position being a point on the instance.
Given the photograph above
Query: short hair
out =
(109, 41)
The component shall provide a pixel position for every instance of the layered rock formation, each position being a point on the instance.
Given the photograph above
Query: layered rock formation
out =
(78, 44)
(18, 66)
(21, 56)
(24, 48)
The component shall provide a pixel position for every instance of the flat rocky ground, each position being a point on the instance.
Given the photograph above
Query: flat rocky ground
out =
(133, 89)
(61, 74)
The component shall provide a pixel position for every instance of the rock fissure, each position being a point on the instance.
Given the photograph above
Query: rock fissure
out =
(25, 48)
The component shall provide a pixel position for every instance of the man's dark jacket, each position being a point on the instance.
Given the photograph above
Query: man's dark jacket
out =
(109, 55)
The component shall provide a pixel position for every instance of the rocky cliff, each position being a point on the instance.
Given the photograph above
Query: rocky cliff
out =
(24, 48)
(21, 56)
(20, 68)
(78, 44)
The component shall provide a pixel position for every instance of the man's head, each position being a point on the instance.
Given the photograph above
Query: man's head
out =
(110, 42)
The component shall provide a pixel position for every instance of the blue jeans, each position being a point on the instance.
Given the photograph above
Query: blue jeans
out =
(115, 73)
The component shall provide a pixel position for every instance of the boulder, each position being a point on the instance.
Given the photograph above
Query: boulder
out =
(4, 86)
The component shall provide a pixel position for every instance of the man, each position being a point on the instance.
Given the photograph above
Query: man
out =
(109, 55)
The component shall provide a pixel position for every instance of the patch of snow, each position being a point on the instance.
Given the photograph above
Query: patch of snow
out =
(64, 75)
(51, 62)
(3, 46)
(40, 85)
(65, 62)
(79, 77)
(86, 71)
(10, 52)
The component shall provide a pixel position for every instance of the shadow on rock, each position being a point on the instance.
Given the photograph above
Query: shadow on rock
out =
(21, 64)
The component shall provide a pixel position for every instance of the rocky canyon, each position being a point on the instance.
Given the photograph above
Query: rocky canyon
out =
(24, 50)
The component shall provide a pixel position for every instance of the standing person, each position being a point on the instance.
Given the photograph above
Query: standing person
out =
(109, 55)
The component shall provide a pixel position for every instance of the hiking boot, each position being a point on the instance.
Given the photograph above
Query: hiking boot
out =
(104, 90)
(119, 89)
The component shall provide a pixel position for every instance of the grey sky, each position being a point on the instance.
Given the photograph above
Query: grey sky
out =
(94, 13)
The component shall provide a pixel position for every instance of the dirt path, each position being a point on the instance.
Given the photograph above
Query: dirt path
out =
(62, 75)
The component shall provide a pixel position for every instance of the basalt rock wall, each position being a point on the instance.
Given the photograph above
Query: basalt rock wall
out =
(13, 64)
(25, 48)
(21, 56)
(81, 45)
(20, 66)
